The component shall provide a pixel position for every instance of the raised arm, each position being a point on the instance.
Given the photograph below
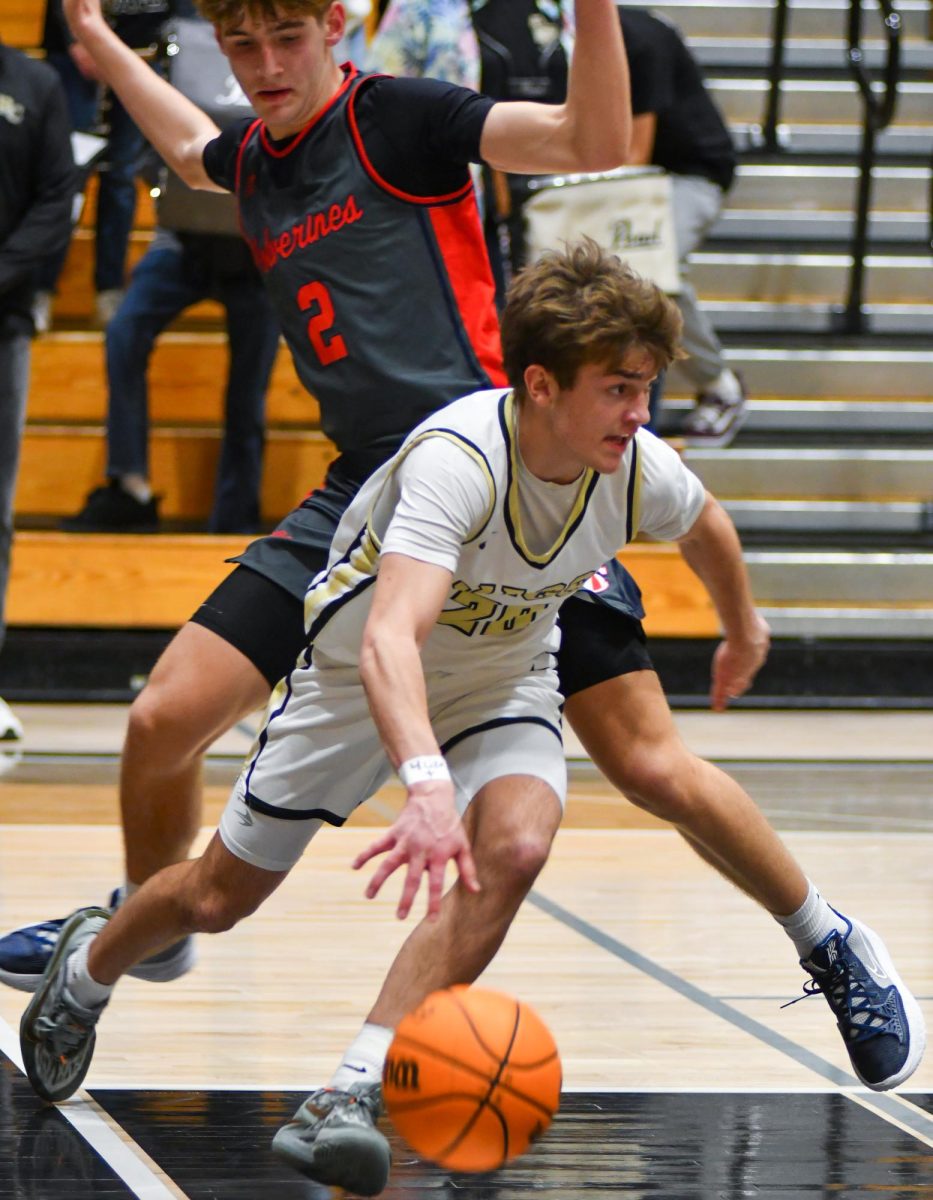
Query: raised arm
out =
(712, 549)
(407, 599)
(178, 129)
(591, 131)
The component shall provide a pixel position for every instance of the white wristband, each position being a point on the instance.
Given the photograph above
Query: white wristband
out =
(423, 769)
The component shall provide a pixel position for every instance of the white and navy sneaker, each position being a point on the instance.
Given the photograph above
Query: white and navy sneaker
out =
(56, 1034)
(333, 1139)
(25, 953)
(880, 1021)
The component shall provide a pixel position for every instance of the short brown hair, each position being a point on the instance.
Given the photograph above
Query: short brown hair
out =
(227, 12)
(583, 305)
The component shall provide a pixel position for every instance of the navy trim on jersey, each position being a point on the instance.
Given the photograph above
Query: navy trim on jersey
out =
(338, 602)
(292, 814)
(498, 723)
(568, 532)
(630, 495)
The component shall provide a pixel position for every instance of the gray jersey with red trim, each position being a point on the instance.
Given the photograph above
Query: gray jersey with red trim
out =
(385, 299)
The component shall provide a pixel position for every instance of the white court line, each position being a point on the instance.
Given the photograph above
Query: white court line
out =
(129, 1161)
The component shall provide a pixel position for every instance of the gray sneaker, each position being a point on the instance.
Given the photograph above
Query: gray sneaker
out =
(56, 1034)
(333, 1139)
(714, 421)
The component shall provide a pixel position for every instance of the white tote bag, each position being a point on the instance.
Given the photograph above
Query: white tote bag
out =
(627, 211)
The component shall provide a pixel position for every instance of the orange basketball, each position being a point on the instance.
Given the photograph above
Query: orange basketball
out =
(472, 1078)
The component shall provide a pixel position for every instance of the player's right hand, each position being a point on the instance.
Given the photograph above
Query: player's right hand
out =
(80, 14)
(427, 835)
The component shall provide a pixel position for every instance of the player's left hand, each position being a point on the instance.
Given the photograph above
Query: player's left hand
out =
(427, 835)
(736, 662)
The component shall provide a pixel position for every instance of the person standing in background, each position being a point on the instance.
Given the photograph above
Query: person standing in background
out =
(37, 182)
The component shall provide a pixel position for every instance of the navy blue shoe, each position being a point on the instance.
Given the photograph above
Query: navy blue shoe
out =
(880, 1021)
(25, 953)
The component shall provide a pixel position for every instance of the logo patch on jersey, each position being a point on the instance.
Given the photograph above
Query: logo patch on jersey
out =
(315, 226)
(11, 109)
(598, 582)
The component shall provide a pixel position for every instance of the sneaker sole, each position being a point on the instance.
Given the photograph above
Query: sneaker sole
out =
(353, 1161)
(39, 1064)
(916, 1026)
(22, 983)
(717, 441)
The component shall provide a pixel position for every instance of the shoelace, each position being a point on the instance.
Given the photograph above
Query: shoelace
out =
(865, 1016)
(62, 1029)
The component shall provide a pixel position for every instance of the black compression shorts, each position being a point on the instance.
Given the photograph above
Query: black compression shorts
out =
(266, 624)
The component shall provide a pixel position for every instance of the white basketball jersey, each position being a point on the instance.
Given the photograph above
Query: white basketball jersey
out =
(502, 608)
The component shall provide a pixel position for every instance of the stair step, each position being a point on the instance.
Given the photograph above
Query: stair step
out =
(819, 227)
(812, 19)
(800, 53)
(824, 621)
(813, 137)
(789, 415)
(790, 277)
(157, 580)
(820, 101)
(183, 464)
(842, 579)
(796, 473)
(187, 373)
(810, 187)
(828, 373)
(749, 316)
(783, 518)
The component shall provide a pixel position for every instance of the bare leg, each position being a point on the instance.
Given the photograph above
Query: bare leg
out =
(512, 823)
(627, 728)
(207, 895)
(199, 688)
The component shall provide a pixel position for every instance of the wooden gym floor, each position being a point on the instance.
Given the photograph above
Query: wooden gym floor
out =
(683, 1077)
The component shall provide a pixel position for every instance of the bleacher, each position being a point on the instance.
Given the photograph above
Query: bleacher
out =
(830, 482)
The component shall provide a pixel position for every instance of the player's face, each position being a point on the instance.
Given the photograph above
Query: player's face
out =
(592, 422)
(285, 65)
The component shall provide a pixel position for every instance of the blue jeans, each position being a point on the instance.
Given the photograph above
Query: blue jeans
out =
(116, 198)
(14, 387)
(164, 283)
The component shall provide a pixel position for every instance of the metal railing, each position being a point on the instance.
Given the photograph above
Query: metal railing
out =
(878, 112)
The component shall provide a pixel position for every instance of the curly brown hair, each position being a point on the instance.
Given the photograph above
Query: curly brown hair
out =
(231, 12)
(583, 305)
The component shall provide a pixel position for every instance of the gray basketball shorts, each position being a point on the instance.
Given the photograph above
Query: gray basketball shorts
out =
(319, 756)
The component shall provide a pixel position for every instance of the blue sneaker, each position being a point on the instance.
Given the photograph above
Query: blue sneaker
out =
(880, 1021)
(25, 953)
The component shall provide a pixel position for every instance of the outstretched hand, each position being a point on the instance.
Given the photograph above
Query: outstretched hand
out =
(736, 662)
(427, 834)
(80, 14)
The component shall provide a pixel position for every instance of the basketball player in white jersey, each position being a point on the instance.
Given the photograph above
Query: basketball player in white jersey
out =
(432, 638)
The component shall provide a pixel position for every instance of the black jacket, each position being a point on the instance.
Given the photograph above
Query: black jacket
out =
(37, 180)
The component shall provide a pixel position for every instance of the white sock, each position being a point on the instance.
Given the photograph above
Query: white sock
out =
(812, 923)
(364, 1059)
(136, 486)
(82, 987)
(726, 384)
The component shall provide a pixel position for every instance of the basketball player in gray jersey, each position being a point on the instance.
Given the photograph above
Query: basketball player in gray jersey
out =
(221, 664)
(493, 510)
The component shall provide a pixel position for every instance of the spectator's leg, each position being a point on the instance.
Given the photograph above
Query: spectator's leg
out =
(116, 203)
(159, 290)
(253, 336)
(14, 387)
(696, 203)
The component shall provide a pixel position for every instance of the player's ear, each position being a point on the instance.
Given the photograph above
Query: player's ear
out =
(335, 23)
(540, 385)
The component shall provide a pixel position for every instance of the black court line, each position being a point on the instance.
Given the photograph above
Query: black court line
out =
(898, 1109)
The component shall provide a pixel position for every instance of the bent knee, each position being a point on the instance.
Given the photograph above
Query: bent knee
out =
(161, 723)
(519, 859)
(661, 784)
(216, 911)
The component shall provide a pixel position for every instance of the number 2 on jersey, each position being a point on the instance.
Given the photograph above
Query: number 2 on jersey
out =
(330, 348)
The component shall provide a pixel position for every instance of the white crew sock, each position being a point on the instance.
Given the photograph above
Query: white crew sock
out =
(137, 486)
(812, 923)
(364, 1058)
(82, 987)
